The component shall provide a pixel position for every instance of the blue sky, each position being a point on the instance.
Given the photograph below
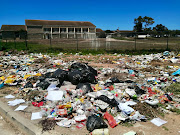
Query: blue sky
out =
(105, 14)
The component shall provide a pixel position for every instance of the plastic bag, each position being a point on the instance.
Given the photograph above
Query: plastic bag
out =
(111, 102)
(44, 85)
(95, 122)
(88, 76)
(111, 120)
(62, 75)
(115, 80)
(139, 91)
(83, 66)
(28, 85)
(85, 87)
(75, 77)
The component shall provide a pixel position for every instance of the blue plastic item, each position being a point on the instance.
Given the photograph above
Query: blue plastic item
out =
(177, 72)
(1, 85)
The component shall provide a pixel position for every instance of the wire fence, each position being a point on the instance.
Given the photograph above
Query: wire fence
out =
(123, 41)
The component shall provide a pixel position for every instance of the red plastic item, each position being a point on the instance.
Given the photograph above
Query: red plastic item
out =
(111, 120)
(37, 104)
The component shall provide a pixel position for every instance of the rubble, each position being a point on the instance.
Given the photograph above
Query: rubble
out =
(72, 93)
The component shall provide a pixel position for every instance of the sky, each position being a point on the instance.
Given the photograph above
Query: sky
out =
(105, 14)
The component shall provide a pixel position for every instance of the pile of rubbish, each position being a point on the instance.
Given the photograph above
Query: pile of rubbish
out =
(74, 93)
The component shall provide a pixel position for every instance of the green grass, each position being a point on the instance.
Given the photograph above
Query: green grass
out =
(174, 88)
(177, 111)
(165, 128)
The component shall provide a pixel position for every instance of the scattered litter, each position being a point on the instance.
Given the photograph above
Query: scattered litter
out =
(16, 102)
(36, 115)
(68, 92)
(9, 96)
(21, 107)
(158, 122)
(54, 95)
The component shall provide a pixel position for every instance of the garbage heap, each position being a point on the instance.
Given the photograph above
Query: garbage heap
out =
(76, 94)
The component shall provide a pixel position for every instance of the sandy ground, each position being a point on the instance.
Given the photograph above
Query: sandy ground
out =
(7, 128)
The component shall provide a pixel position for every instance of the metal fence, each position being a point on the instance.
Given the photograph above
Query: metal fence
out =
(125, 41)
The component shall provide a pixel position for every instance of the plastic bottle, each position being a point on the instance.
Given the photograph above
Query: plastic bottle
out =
(104, 131)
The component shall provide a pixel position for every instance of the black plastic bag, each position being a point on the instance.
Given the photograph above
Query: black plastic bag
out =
(88, 76)
(95, 122)
(82, 66)
(75, 77)
(92, 70)
(44, 85)
(139, 91)
(85, 87)
(108, 84)
(28, 85)
(62, 75)
(41, 78)
(78, 66)
(48, 75)
(115, 80)
(129, 81)
(111, 102)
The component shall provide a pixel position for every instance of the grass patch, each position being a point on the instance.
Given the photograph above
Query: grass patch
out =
(175, 110)
(165, 128)
(127, 124)
(174, 88)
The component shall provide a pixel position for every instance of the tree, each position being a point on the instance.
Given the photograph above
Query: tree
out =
(160, 27)
(108, 31)
(141, 23)
(160, 30)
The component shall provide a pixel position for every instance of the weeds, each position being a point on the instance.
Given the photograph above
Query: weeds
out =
(174, 88)
(165, 128)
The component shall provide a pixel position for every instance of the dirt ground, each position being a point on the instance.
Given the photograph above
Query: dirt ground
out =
(7, 128)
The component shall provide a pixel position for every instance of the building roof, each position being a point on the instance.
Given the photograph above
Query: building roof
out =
(13, 27)
(59, 23)
(99, 30)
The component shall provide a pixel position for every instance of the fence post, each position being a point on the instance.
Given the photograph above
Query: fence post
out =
(14, 43)
(76, 42)
(50, 42)
(26, 41)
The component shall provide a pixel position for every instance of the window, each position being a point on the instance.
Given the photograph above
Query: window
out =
(55, 29)
(78, 30)
(85, 29)
(70, 30)
(47, 29)
(63, 30)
